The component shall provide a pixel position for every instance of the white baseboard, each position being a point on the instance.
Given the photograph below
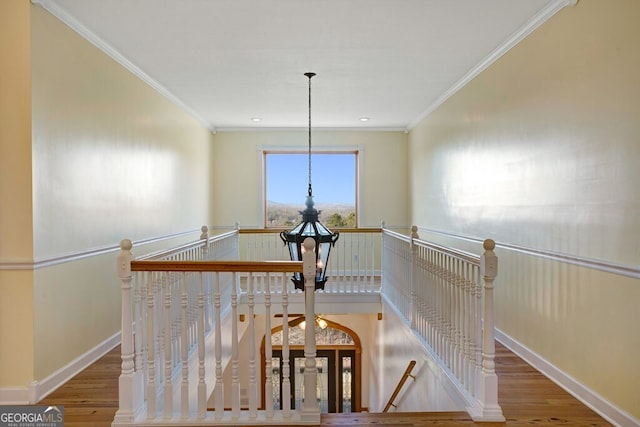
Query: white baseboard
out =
(590, 398)
(16, 395)
(38, 390)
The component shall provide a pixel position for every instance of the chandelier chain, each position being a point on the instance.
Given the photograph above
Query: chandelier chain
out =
(309, 75)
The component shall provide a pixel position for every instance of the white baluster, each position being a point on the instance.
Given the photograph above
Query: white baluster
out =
(208, 301)
(219, 387)
(466, 379)
(441, 307)
(151, 354)
(412, 277)
(286, 371)
(139, 320)
(235, 370)
(194, 291)
(450, 312)
(253, 386)
(168, 348)
(268, 386)
(354, 282)
(457, 319)
(184, 348)
(202, 385)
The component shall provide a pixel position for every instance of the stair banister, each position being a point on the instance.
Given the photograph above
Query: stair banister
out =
(407, 374)
(490, 410)
(130, 381)
(310, 408)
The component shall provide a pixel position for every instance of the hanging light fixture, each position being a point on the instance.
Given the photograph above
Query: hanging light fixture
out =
(310, 227)
(319, 323)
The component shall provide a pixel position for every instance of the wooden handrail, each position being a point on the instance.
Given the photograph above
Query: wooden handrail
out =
(227, 266)
(407, 373)
(339, 229)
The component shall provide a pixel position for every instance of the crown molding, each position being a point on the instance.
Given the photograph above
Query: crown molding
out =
(315, 129)
(65, 17)
(553, 7)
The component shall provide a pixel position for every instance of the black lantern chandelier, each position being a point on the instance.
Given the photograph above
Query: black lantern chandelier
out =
(310, 227)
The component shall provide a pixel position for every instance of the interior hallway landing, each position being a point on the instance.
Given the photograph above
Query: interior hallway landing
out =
(90, 399)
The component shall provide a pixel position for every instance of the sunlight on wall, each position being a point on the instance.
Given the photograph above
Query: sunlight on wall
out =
(144, 176)
(540, 151)
(480, 181)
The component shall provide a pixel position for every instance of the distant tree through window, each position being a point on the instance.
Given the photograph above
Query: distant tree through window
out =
(333, 179)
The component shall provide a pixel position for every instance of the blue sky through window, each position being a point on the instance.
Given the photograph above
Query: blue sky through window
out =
(333, 177)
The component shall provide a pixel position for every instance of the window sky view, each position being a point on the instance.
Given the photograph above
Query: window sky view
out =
(333, 178)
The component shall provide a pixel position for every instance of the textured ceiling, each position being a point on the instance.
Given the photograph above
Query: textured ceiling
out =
(228, 61)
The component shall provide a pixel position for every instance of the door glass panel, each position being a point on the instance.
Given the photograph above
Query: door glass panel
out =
(327, 336)
(298, 368)
(322, 391)
(276, 381)
(322, 387)
(337, 369)
(346, 384)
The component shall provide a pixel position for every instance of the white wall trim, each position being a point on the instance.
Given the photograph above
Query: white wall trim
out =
(317, 149)
(16, 395)
(59, 12)
(28, 264)
(315, 129)
(38, 390)
(601, 265)
(530, 26)
(590, 398)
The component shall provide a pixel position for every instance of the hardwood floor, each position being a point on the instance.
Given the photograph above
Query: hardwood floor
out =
(90, 399)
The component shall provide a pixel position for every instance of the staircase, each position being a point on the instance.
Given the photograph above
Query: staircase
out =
(181, 326)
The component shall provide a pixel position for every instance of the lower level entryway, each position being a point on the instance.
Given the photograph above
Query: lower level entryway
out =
(336, 384)
(338, 361)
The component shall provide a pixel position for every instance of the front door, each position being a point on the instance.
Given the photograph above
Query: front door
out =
(336, 378)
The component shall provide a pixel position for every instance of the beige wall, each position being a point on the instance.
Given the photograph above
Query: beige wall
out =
(108, 149)
(394, 346)
(542, 151)
(112, 159)
(16, 238)
(237, 165)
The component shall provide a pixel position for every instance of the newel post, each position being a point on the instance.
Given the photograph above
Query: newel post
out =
(310, 408)
(130, 382)
(490, 410)
(204, 236)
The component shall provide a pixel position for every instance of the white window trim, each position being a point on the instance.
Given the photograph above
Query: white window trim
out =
(358, 149)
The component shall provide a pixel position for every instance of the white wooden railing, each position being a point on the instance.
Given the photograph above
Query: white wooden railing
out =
(354, 263)
(446, 296)
(180, 328)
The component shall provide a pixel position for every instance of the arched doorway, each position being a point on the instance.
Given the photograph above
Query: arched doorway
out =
(338, 360)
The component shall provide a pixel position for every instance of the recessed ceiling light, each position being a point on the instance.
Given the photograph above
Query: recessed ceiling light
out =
(364, 119)
(256, 119)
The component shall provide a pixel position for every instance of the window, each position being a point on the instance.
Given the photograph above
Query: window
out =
(333, 179)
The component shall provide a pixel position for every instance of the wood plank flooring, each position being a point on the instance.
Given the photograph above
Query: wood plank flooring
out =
(90, 399)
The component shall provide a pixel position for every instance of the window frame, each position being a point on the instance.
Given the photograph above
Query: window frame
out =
(356, 151)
